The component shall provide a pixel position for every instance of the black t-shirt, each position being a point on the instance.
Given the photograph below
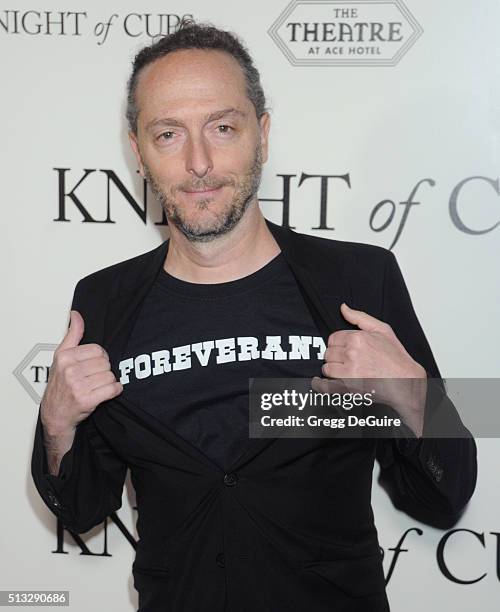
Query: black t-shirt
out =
(194, 347)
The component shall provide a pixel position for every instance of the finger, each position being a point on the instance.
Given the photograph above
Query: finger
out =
(106, 392)
(360, 318)
(340, 337)
(75, 331)
(327, 385)
(94, 366)
(334, 370)
(89, 351)
(337, 385)
(318, 384)
(335, 354)
(100, 379)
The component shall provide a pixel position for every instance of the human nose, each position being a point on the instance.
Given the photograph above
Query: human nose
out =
(198, 158)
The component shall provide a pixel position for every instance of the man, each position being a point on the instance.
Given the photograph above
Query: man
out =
(153, 372)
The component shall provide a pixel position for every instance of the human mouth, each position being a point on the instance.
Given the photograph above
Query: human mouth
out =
(197, 193)
(208, 190)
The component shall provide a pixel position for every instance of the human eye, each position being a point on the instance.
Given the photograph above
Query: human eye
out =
(167, 135)
(224, 128)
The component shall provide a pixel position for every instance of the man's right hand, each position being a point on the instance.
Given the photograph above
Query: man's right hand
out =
(80, 378)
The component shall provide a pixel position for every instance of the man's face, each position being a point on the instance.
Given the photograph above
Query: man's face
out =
(199, 143)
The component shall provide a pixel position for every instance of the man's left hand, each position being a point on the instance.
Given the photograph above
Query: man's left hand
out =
(374, 351)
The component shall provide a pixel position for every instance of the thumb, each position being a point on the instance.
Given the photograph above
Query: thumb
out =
(75, 331)
(360, 318)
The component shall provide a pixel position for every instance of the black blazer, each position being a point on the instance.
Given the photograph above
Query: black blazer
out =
(290, 526)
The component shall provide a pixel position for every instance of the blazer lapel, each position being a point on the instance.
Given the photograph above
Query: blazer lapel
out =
(311, 273)
(123, 309)
(309, 269)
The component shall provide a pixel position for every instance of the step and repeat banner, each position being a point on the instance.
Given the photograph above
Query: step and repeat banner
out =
(385, 129)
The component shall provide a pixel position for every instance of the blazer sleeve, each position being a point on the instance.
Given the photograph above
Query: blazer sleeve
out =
(430, 478)
(89, 484)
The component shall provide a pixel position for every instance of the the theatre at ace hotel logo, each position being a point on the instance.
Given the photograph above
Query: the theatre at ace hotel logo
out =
(336, 33)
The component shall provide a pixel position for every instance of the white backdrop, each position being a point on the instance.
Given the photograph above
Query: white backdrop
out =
(433, 114)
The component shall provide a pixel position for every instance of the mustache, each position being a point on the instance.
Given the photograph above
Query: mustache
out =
(202, 184)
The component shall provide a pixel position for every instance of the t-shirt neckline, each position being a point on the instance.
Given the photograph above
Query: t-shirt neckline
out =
(276, 266)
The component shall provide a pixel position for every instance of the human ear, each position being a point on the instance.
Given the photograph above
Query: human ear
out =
(264, 124)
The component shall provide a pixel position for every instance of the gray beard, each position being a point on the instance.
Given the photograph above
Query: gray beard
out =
(225, 222)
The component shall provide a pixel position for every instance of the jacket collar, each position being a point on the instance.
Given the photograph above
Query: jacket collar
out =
(321, 279)
(310, 265)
